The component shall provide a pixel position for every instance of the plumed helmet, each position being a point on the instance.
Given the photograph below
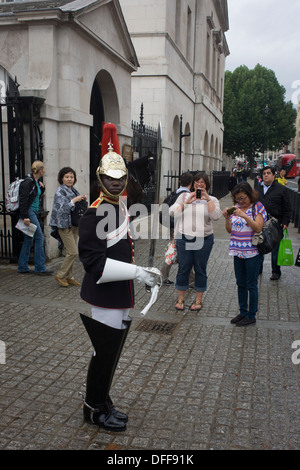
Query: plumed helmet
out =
(111, 163)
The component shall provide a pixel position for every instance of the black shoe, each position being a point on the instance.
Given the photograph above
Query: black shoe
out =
(44, 273)
(167, 282)
(102, 417)
(116, 413)
(246, 321)
(26, 272)
(237, 318)
(274, 277)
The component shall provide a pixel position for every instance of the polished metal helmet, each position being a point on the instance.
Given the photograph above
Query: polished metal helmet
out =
(112, 164)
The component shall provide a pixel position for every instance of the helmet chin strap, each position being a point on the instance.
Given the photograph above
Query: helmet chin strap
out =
(115, 197)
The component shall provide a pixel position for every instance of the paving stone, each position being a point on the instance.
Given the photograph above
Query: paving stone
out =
(207, 385)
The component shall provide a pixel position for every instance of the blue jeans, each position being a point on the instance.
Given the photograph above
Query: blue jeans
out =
(246, 273)
(39, 251)
(187, 258)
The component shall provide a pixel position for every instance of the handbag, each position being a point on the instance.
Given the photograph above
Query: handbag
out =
(78, 211)
(269, 237)
(171, 253)
(54, 233)
(285, 251)
(297, 261)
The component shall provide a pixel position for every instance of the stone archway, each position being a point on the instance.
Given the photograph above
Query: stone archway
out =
(109, 97)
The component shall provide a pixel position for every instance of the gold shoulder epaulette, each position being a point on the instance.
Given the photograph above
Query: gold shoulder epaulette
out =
(96, 203)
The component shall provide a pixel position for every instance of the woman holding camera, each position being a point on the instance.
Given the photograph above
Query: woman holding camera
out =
(194, 213)
(242, 221)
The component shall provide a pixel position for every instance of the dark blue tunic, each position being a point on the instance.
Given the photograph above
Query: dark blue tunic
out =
(93, 252)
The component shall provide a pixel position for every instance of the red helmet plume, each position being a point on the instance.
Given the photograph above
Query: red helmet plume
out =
(109, 137)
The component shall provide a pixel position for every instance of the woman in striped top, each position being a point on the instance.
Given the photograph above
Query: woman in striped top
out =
(247, 218)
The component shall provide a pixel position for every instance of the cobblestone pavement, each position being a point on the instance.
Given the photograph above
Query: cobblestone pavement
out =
(189, 381)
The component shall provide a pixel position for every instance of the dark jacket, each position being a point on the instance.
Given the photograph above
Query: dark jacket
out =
(93, 253)
(277, 202)
(27, 194)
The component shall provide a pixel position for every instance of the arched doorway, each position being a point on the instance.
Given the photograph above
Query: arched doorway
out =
(97, 111)
(104, 107)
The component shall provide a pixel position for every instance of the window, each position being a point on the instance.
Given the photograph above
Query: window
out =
(177, 21)
(189, 36)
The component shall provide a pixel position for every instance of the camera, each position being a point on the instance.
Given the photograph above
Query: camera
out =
(198, 193)
(231, 210)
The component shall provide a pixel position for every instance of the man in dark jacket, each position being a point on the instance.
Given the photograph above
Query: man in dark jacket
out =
(275, 198)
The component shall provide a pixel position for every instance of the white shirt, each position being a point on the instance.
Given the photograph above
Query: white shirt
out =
(265, 187)
(195, 220)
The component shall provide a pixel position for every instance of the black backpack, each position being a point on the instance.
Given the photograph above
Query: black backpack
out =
(164, 217)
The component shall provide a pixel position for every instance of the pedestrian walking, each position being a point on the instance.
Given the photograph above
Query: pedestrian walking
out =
(30, 192)
(232, 181)
(64, 203)
(185, 183)
(281, 178)
(274, 196)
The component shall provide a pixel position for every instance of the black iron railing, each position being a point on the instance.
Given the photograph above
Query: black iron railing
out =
(219, 182)
(17, 113)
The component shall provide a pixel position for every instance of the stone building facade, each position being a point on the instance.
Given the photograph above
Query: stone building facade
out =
(181, 48)
(78, 56)
(95, 61)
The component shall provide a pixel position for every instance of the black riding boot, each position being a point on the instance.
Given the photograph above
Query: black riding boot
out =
(107, 343)
(119, 414)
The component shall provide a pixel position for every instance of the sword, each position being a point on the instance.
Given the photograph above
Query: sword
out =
(157, 192)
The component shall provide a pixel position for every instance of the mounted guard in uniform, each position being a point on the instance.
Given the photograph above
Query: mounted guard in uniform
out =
(108, 259)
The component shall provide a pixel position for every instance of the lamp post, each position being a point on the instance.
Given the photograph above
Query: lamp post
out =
(181, 135)
(265, 126)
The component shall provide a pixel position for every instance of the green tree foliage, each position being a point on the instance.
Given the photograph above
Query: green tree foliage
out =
(248, 128)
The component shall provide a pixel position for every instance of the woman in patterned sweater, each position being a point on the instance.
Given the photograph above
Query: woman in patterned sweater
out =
(247, 218)
(64, 202)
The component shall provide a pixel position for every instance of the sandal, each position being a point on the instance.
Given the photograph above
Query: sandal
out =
(193, 307)
(181, 303)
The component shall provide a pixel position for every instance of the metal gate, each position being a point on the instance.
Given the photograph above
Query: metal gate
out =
(20, 144)
(144, 142)
(219, 182)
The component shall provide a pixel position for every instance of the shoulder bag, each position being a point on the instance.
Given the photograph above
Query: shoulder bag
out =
(78, 211)
(171, 253)
(269, 237)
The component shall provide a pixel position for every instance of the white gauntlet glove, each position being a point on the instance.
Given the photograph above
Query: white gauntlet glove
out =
(144, 276)
(119, 271)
